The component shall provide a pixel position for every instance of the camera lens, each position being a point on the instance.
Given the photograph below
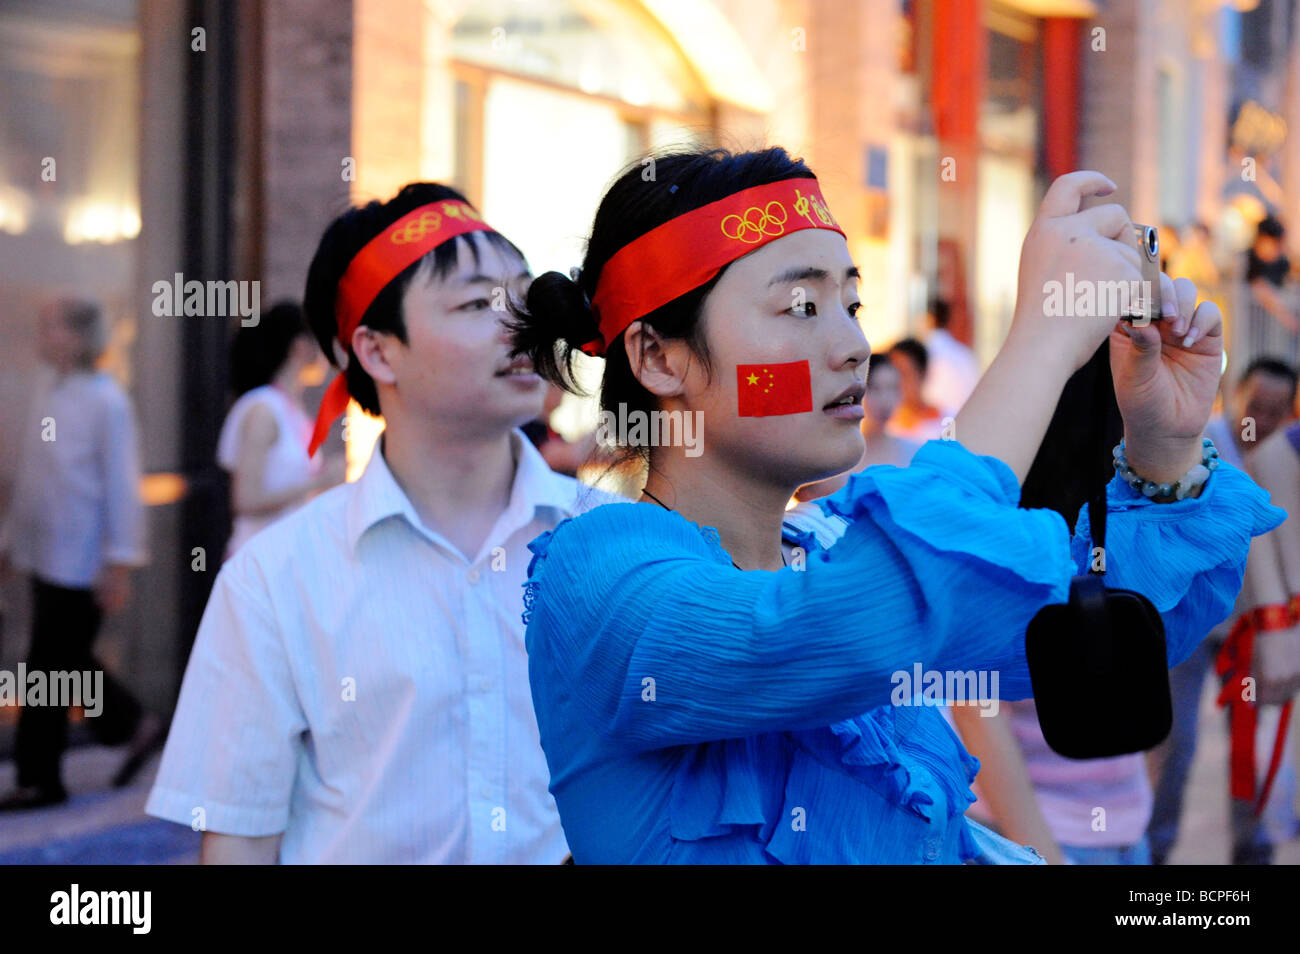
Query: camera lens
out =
(1153, 242)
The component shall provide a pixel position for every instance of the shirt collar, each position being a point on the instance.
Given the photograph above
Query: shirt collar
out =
(377, 495)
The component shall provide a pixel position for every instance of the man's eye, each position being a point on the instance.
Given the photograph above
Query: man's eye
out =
(478, 304)
(807, 310)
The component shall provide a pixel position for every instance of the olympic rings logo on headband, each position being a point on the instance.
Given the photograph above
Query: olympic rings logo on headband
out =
(755, 223)
(418, 229)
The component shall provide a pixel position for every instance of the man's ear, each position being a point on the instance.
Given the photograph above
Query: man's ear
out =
(659, 364)
(371, 350)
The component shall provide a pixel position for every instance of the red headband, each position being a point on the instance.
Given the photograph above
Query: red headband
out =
(382, 259)
(687, 251)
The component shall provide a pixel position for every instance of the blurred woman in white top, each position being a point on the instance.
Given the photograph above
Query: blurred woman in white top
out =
(263, 442)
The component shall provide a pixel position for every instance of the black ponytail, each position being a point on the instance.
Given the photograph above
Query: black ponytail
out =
(570, 324)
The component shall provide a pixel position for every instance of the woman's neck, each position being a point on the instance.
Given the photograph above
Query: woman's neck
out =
(873, 430)
(746, 511)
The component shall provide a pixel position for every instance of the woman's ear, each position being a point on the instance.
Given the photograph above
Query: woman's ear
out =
(370, 348)
(659, 364)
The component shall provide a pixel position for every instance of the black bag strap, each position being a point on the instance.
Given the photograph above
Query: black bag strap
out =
(1102, 410)
(1097, 521)
(1089, 594)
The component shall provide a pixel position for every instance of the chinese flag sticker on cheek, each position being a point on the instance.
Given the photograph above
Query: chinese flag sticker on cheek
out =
(769, 389)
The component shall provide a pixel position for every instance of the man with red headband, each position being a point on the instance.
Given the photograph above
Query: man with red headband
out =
(358, 690)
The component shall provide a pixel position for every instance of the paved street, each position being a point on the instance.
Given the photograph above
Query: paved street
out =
(98, 824)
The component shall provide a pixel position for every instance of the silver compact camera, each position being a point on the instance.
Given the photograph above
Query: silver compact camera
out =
(1148, 306)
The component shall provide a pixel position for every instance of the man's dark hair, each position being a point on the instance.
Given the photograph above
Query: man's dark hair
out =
(1271, 227)
(877, 359)
(1273, 366)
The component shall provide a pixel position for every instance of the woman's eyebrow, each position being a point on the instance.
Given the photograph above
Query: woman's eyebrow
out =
(800, 274)
(490, 280)
(811, 273)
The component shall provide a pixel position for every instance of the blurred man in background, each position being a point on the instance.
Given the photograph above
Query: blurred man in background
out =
(76, 525)
(953, 368)
(915, 419)
(1267, 272)
(1262, 402)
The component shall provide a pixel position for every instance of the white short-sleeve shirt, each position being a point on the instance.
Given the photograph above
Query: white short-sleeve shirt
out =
(359, 685)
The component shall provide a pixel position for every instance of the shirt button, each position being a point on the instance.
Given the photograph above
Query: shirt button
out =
(473, 576)
(486, 791)
(485, 684)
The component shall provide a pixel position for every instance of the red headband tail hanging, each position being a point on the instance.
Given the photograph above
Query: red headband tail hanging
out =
(687, 251)
(382, 259)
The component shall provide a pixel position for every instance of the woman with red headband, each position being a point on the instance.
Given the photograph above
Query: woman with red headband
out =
(709, 692)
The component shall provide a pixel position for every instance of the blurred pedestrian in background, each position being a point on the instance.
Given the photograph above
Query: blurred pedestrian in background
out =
(952, 368)
(1261, 403)
(1260, 665)
(879, 403)
(263, 442)
(76, 524)
(915, 419)
(1268, 272)
(562, 456)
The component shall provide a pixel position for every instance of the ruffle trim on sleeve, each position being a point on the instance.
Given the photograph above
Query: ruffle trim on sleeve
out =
(931, 754)
(1206, 532)
(716, 788)
(538, 545)
(954, 501)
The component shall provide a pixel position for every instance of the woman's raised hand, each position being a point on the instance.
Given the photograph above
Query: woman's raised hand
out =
(1074, 249)
(1164, 389)
(1166, 374)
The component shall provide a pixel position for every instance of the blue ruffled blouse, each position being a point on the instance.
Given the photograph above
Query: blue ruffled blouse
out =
(692, 712)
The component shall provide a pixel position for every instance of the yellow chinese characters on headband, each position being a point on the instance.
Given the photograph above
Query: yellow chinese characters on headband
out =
(804, 203)
(456, 210)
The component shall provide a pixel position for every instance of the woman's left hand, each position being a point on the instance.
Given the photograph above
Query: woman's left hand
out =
(1164, 385)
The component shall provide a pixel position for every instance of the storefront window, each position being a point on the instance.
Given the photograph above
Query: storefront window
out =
(69, 200)
(553, 99)
(601, 48)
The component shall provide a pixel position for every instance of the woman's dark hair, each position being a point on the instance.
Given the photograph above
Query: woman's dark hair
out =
(914, 351)
(346, 236)
(557, 319)
(1074, 461)
(878, 359)
(259, 351)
